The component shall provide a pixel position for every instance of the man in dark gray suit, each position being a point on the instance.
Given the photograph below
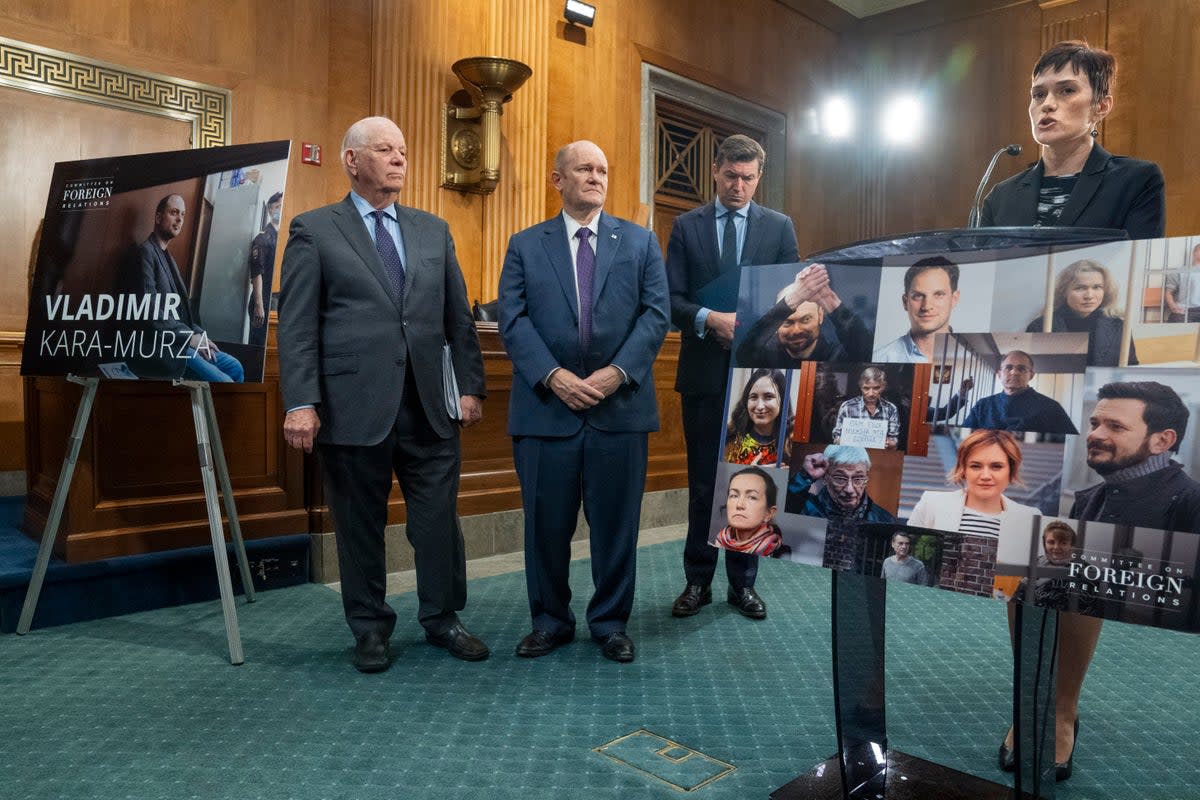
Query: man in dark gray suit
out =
(151, 270)
(371, 293)
(583, 313)
(707, 243)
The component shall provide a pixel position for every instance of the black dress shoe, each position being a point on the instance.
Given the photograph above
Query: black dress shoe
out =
(617, 647)
(1005, 759)
(540, 643)
(371, 653)
(1062, 770)
(460, 642)
(747, 602)
(694, 596)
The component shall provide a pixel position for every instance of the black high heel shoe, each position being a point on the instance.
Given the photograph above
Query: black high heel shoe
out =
(1006, 760)
(1062, 771)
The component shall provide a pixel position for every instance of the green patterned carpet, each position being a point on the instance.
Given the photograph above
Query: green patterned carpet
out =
(147, 706)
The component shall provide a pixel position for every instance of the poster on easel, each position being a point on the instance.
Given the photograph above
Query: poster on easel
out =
(1024, 424)
(158, 266)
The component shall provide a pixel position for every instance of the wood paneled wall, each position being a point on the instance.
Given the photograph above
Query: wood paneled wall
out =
(586, 84)
(305, 69)
(972, 60)
(297, 69)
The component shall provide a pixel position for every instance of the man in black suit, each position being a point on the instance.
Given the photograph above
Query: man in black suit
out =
(706, 243)
(151, 270)
(371, 294)
(583, 313)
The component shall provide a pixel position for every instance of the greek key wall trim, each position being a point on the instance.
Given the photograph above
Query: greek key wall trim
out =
(51, 72)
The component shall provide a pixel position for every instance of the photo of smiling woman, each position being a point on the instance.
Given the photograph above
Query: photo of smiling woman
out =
(750, 505)
(1085, 298)
(988, 463)
(752, 436)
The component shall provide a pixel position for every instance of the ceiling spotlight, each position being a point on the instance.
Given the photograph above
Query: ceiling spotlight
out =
(837, 118)
(903, 120)
(579, 13)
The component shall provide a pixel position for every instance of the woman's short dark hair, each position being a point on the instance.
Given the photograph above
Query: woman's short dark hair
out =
(770, 490)
(1099, 65)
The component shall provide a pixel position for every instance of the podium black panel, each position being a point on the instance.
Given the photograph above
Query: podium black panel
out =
(865, 767)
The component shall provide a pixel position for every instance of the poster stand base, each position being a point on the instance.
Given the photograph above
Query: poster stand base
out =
(213, 468)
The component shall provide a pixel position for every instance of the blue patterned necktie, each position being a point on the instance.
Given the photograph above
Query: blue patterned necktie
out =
(389, 255)
(585, 270)
(729, 257)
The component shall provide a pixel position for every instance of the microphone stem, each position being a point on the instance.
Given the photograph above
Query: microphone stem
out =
(973, 217)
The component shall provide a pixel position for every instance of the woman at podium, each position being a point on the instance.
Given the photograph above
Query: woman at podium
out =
(1076, 182)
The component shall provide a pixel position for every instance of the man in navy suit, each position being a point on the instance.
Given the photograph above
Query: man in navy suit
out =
(583, 312)
(705, 244)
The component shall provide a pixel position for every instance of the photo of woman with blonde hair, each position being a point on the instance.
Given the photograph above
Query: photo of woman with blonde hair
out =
(1085, 301)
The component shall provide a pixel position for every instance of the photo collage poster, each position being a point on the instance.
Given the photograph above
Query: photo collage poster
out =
(158, 266)
(1014, 428)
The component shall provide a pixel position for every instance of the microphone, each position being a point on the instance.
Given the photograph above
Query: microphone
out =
(973, 217)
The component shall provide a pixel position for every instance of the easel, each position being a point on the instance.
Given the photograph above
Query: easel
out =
(208, 443)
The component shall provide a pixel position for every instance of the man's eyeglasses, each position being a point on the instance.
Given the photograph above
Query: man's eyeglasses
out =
(841, 481)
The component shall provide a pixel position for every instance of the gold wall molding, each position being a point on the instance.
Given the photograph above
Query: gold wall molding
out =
(73, 77)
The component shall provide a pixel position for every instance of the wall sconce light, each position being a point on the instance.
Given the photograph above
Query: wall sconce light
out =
(471, 122)
(579, 13)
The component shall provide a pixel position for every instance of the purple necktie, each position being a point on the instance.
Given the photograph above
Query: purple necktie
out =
(390, 256)
(585, 270)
